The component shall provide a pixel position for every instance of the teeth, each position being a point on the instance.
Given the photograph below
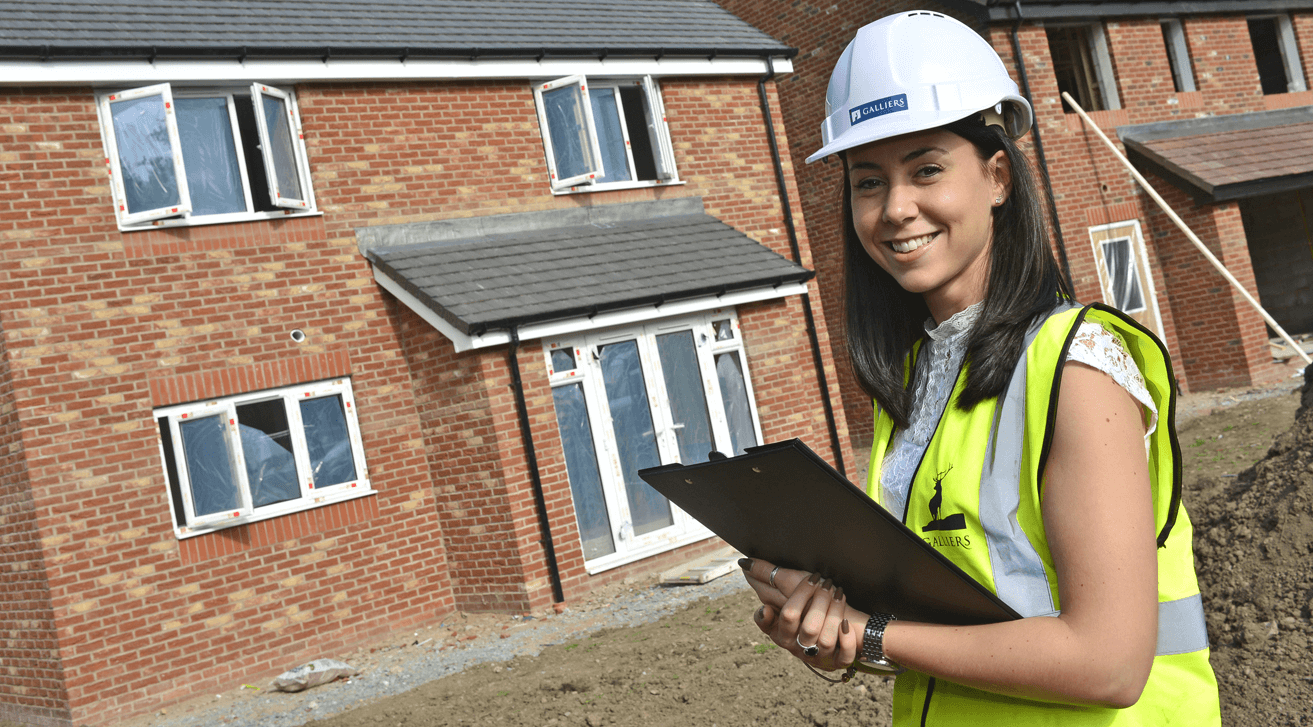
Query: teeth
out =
(912, 244)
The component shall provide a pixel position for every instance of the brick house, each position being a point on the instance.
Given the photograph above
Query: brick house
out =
(320, 329)
(1210, 100)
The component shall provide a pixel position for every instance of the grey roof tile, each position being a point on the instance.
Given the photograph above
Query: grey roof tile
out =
(491, 282)
(374, 27)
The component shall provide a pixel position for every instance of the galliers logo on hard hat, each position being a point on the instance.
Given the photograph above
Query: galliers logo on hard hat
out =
(878, 107)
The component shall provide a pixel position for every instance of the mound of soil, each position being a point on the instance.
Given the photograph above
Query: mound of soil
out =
(1253, 542)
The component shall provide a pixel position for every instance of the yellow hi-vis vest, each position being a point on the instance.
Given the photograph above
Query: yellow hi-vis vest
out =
(976, 499)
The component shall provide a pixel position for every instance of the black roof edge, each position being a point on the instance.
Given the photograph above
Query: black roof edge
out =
(482, 327)
(1001, 10)
(1215, 124)
(392, 274)
(325, 53)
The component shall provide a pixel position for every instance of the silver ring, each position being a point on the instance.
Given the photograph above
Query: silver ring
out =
(772, 576)
(812, 650)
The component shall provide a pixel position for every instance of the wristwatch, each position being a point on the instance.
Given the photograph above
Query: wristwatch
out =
(872, 654)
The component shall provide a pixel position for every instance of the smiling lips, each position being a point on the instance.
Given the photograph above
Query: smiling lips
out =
(912, 244)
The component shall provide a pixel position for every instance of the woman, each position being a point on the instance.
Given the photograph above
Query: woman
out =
(1015, 432)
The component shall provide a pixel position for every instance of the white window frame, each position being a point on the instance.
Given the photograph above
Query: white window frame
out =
(181, 215)
(226, 407)
(276, 197)
(1178, 52)
(587, 373)
(656, 124)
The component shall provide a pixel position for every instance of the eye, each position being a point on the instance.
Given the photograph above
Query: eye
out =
(928, 171)
(867, 184)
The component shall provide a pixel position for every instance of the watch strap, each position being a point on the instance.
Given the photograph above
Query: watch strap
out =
(873, 640)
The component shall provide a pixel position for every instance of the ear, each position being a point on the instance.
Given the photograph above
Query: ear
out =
(999, 170)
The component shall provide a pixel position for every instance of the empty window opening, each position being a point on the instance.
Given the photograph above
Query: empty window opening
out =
(1276, 55)
(1083, 67)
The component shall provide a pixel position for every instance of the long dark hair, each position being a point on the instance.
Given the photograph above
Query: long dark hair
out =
(884, 321)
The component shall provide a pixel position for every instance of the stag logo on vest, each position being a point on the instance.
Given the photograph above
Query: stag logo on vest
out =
(939, 522)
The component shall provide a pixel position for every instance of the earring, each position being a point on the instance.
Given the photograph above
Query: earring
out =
(998, 199)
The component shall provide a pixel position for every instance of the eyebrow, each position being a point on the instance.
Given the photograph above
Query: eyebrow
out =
(906, 158)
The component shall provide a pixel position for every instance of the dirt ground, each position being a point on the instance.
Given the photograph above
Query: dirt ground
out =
(708, 665)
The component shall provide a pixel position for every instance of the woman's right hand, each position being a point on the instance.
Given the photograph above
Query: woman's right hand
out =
(801, 609)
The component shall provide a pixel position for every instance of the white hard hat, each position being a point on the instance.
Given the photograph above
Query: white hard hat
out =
(915, 71)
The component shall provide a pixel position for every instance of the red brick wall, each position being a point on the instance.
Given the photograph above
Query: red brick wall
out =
(101, 327)
(484, 491)
(1091, 186)
(32, 682)
(1088, 181)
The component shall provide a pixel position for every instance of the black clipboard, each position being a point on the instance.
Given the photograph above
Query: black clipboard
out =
(783, 503)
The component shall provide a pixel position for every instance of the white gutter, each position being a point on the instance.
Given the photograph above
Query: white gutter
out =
(628, 316)
(126, 73)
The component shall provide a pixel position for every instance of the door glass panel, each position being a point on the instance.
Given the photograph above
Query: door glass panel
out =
(635, 437)
(610, 139)
(267, 448)
(210, 156)
(734, 392)
(563, 360)
(145, 155)
(688, 404)
(210, 468)
(329, 444)
(581, 466)
(282, 151)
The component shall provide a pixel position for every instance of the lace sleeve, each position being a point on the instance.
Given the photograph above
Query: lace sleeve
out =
(1097, 347)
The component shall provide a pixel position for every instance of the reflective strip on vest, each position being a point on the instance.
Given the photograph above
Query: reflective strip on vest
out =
(1181, 626)
(1019, 577)
(1018, 571)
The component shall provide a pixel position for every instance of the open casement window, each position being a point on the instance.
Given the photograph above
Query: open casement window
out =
(145, 154)
(232, 154)
(1124, 274)
(249, 457)
(280, 143)
(670, 391)
(604, 132)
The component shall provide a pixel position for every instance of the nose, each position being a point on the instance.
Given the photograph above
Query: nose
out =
(900, 204)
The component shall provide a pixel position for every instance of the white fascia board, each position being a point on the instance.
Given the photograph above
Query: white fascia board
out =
(629, 316)
(133, 73)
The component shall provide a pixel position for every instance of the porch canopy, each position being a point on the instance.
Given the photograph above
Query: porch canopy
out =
(559, 271)
(1224, 158)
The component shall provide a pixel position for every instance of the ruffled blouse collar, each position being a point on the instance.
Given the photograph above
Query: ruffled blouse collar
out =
(956, 325)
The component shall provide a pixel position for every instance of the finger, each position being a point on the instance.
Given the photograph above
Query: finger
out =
(766, 594)
(764, 617)
(828, 637)
(812, 625)
(786, 579)
(791, 614)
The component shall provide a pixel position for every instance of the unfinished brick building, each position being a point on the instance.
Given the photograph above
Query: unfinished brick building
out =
(322, 329)
(1209, 99)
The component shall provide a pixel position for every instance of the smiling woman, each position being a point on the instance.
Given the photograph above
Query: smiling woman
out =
(1015, 431)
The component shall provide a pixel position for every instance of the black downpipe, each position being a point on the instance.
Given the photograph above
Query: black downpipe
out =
(531, 455)
(1039, 150)
(817, 359)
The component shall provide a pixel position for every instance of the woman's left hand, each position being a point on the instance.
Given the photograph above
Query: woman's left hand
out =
(803, 610)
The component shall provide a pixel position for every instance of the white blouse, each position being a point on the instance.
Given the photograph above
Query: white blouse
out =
(941, 360)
